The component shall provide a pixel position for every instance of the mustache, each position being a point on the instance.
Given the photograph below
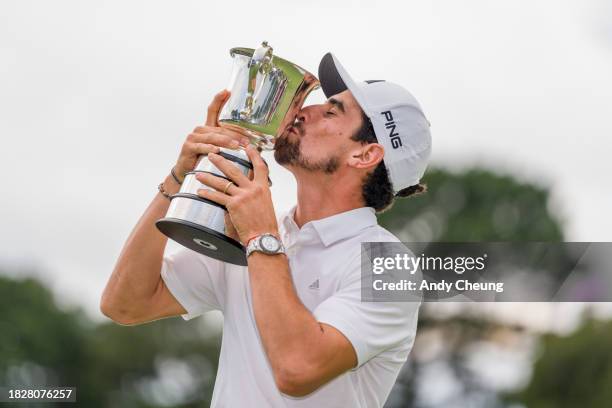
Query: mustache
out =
(298, 125)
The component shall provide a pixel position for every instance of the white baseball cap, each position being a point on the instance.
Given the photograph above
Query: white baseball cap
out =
(398, 120)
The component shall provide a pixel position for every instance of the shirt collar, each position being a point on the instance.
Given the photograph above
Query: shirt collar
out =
(336, 227)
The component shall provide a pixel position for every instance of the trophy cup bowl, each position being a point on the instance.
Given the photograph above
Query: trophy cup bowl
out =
(267, 92)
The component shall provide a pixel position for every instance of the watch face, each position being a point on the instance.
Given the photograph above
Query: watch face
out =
(269, 243)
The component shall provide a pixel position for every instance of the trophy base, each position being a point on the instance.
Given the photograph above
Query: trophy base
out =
(203, 240)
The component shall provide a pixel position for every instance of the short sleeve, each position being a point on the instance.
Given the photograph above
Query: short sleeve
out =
(196, 281)
(371, 327)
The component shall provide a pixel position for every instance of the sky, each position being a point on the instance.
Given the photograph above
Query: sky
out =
(96, 99)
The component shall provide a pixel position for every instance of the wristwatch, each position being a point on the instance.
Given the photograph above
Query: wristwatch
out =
(266, 243)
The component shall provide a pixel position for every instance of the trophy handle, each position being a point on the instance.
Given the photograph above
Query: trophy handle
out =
(260, 63)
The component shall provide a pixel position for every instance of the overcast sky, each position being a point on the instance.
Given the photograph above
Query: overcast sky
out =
(97, 97)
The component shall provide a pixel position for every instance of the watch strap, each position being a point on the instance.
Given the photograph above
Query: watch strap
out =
(254, 245)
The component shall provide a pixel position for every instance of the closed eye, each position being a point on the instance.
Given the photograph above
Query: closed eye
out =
(335, 103)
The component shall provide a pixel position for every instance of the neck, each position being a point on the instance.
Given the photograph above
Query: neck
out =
(320, 196)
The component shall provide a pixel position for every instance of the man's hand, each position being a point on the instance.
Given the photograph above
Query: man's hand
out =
(208, 138)
(248, 202)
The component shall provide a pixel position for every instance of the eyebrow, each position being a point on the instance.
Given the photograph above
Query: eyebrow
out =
(337, 103)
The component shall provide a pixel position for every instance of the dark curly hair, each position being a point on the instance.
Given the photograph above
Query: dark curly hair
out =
(377, 190)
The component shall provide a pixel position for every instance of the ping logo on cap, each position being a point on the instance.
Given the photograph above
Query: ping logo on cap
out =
(390, 124)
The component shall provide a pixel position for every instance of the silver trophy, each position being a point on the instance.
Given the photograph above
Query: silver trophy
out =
(267, 92)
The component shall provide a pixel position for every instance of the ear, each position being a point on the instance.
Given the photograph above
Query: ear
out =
(366, 156)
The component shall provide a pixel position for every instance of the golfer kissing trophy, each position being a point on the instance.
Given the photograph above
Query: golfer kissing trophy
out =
(267, 92)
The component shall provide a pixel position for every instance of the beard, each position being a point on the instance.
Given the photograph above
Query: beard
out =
(287, 152)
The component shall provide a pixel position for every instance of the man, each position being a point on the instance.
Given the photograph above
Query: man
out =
(296, 333)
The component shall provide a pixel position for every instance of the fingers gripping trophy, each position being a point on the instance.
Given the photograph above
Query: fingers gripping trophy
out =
(266, 93)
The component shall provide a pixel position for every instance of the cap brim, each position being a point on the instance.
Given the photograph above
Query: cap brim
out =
(334, 78)
(331, 81)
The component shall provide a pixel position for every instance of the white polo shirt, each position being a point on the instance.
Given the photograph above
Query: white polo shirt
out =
(324, 258)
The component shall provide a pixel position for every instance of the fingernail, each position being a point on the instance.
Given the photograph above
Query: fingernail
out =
(244, 141)
(235, 143)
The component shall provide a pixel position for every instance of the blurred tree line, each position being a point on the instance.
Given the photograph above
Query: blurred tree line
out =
(475, 205)
(573, 370)
(169, 362)
(172, 362)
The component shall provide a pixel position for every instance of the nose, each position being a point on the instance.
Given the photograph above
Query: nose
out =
(306, 113)
(301, 116)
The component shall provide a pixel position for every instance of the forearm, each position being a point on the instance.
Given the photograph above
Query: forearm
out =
(287, 329)
(136, 275)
